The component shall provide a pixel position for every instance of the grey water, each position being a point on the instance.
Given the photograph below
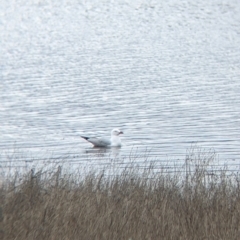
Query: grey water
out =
(167, 73)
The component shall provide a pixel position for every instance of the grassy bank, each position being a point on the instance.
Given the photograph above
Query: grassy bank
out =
(132, 205)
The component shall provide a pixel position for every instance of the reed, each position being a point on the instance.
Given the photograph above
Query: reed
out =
(133, 205)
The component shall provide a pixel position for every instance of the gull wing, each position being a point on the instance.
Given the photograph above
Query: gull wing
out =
(98, 142)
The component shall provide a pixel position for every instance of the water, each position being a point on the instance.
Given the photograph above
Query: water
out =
(165, 72)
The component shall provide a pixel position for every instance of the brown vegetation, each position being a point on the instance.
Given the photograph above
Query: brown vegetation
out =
(134, 205)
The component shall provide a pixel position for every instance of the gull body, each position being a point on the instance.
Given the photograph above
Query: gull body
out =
(114, 141)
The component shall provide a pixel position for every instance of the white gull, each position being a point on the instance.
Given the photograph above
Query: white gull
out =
(114, 141)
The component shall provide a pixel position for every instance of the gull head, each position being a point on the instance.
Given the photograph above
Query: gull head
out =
(116, 132)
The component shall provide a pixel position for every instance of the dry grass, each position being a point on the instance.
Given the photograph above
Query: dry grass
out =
(134, 205)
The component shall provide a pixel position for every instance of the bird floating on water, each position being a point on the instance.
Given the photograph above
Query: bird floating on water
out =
(114, 141)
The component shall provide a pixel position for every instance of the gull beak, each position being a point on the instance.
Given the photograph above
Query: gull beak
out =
(120, 133)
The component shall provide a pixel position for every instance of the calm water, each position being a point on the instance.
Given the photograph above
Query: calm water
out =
(167, 73)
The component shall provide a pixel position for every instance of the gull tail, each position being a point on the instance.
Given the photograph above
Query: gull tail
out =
(86, 138)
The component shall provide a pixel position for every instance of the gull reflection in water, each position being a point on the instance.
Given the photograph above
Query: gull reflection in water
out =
(112, 152)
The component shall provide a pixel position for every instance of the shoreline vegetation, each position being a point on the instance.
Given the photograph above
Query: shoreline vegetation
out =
(135, 204)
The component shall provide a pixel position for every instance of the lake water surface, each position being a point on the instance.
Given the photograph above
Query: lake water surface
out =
(167, 73)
